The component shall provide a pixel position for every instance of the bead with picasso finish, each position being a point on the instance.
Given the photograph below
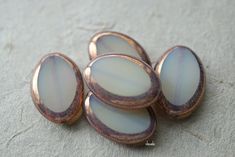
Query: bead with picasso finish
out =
(183, 81)
(135, 127)
(114, 42)
(122, 81)
(57, 89)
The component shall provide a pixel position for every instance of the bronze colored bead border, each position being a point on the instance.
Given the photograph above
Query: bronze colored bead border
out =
(93, 49)
(75, 110)
(124, 102)
(130, 139)
(164, 107)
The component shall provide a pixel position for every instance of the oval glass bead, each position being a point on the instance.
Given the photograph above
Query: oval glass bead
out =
(122, 81)
(57, 88)
(123, 126)
(113, 43)
(182, 80)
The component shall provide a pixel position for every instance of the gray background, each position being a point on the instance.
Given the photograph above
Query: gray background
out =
(31, 29)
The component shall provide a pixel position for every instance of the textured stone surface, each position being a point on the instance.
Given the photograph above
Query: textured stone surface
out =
(29, 29)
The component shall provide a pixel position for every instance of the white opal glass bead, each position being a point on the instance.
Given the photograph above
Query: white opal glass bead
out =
(180, 75)
(57, 88)
(116, 43)
(110, 43)
(56, 84)
(182, 80)
(125, 126)
(118, 77)
(122, 121)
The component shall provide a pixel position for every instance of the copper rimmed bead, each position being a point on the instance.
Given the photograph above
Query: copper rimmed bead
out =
(57, 88)
(183, 82)
(122, 81)
(114, 42)
(134, 127)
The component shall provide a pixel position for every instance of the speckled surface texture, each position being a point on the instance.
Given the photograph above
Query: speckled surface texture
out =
(30, 29)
